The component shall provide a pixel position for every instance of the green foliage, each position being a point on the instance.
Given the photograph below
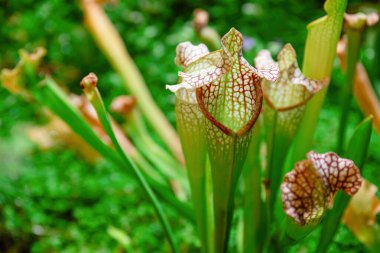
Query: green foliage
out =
(360, 138)
(53, 201)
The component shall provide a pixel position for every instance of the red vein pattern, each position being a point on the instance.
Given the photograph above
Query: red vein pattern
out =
(232, 101)
(310, 187)
(187, 53)
(188, 112)
(228, 89)
(289, 93)
(292, 88)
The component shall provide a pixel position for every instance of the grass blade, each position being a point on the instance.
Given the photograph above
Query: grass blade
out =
(88, 85)
(47, 93)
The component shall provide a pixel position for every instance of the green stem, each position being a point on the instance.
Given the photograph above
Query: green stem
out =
(223, 213)
(357, 151)
(278, 147)
(201, 196)
(281, 128)
(320, 49)
(141, 136)
(280, 242)
(97, 102)
(227, 161)
(224, 187)
(273, 176)
(289, 234)
(147, 168)
(331, 222)
(255, 227)
(354, 38)
(304, 138)
(190, 126)
(163, 169)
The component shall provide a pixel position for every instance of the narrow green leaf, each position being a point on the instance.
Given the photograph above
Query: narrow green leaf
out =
(356, 151)
(88, 85)
(356, 24)
(255, 225)
(48, 94)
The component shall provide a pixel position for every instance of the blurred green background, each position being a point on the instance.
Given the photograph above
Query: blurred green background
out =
(53, 201)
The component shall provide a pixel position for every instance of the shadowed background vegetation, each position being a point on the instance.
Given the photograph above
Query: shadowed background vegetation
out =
(53, 200)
